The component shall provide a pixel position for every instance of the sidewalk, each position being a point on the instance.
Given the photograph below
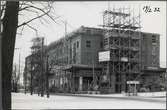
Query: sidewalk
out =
(149, 96)
(83, 101)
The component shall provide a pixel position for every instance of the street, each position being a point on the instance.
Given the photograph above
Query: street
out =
(26, 101)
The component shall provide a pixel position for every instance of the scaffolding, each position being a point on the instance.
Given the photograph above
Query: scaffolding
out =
(37, 66)
(122, 38)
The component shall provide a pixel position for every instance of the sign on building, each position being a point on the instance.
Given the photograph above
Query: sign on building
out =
(104, 56)
(152, 68)
(124, 59)
(133, 82)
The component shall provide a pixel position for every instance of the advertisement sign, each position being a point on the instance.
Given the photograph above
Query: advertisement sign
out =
(124, 59)
(152, 68)
(132, 82)
(104, 56)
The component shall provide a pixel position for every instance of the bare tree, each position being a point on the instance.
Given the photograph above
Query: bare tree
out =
(10, 12)
(42, 11)
(10, 21)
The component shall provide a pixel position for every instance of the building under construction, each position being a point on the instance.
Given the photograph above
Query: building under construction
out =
(117, 57)
(35, 67)
(130, 51)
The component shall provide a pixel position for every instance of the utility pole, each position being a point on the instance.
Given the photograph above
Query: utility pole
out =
(1, 29)
(31, 88)
(65, 28)
(109, 75)
(65, 40)
(18, 73)
(42, 75)
(93, 72)
(47, 77)
(25, 77)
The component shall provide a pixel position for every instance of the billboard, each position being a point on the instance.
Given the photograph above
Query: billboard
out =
(104, 56)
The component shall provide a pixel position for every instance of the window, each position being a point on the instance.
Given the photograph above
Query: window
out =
(153, 39)
(154, 50)
(105, 41)
(88, 43)
(74, 45)
(101, 44)
(77, 44)
(88, 31)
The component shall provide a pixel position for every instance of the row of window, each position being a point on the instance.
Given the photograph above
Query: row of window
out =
(122, 42)
(88, 44)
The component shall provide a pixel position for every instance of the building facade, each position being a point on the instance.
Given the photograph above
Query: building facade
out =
(76, 59)
(130, 52)
(74, 64)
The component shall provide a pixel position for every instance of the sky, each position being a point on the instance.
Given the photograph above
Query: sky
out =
(89, 14)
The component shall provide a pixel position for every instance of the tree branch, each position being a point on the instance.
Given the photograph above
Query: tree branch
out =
(21, 9)
(42, 10)
(3, 6)
(32, 19)
(46, 13)
(36, 31)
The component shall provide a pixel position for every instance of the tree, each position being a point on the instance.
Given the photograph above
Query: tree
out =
(10, 21)
(10, 10)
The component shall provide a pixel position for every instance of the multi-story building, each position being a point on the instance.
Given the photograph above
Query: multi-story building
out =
(75, 65)
(76, 59)
(35, 66)
(131, 54)
(115, 58)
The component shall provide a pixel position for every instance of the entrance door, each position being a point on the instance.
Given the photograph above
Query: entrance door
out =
(118, 88)
(87, 81)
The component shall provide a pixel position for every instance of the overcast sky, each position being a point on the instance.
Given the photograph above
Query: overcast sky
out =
(90, 14)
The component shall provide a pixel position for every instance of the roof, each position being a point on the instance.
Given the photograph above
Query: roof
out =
(88, 30)
(73, 34)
